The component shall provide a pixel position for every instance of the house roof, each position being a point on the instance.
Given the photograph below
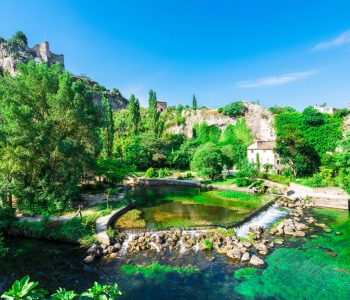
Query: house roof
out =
(262, 145)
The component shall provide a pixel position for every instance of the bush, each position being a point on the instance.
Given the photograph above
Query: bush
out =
(151, 173)
(243, 182)
(162, 173)
(233, 109)
(7, 216)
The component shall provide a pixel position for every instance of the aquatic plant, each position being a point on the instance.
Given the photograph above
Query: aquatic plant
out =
(63, 294)
(321, 268)
(156, 270)
(245, 273)
(208, 244)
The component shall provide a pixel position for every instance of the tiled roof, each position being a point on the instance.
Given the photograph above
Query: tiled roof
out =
(263, 145)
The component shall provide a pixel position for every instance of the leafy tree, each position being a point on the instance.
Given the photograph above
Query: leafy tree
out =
(48, 136)
(114, 170)
(234, 109)
(184, 155)
(107, 131)
(313, 117)
(155, 124)
(134, 116)
(207, 160)
(205, 133)
(297, 153)
(194, 103)
(18, 39)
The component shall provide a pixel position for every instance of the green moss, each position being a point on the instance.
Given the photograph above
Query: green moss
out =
(245, 273)
(156, 270)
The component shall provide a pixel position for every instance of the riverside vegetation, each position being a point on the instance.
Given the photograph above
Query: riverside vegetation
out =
(56, 142)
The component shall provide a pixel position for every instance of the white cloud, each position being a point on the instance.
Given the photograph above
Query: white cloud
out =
(274, 80)
(339, 41)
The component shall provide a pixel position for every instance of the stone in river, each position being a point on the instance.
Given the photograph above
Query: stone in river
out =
(256, 261)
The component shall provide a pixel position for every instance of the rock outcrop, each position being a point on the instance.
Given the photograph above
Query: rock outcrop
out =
(13, 53)
(259, 120)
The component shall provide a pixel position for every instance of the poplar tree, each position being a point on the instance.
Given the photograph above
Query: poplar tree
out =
(194, 103)
(134, 117)
(107, 133)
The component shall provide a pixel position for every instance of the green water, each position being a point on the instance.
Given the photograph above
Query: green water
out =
(317, 269)
(308, 268)
(163, 207)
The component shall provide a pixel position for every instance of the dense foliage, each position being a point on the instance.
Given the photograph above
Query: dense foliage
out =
(48, 137)
(304, 139)
(234, 109)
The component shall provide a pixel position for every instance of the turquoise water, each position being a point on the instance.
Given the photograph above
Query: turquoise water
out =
(310, 268)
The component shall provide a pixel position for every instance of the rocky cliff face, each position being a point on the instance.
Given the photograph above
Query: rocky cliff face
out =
(116, 99)
(12, 54)
(259, 121)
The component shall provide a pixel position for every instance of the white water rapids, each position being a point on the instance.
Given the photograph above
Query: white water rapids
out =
(264, 219)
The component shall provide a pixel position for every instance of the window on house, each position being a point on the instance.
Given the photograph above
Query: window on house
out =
(278, 162)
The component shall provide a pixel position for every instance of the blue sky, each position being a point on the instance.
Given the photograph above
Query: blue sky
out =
(291, 52)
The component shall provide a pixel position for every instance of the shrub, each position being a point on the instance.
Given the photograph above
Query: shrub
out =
(243, 182)
(7, 216)
(151, 173)
(233, 109)
(162, 173)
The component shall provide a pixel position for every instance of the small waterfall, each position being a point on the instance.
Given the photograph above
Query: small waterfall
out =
(153, 245)
(264, 219)
(125, 245)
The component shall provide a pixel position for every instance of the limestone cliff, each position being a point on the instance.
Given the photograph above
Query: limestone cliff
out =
(12, 53)
(258, 119)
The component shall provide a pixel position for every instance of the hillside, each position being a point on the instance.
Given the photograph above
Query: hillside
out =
(259, 120)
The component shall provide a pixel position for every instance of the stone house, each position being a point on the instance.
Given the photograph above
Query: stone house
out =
(161, 106)
(263, 153)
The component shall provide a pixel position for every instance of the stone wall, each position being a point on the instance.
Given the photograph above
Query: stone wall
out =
(158, 182)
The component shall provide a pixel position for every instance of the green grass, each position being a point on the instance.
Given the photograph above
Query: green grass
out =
(156, 270)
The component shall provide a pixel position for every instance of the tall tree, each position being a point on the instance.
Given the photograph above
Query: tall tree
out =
(134, 117)
(194, 103)
(107, 132)
(155, 124)
(48, 133)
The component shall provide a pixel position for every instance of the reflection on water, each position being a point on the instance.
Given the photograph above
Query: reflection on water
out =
(168, 206)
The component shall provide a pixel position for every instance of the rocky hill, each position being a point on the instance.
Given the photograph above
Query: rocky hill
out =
(16, 50)
(258, 119)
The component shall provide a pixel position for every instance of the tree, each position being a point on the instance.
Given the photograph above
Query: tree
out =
(207, 160)
(48, 134)
(134, 116)
(107, 131)
(155, 124)
(113, 170)
(194, 103)
(297, 153)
